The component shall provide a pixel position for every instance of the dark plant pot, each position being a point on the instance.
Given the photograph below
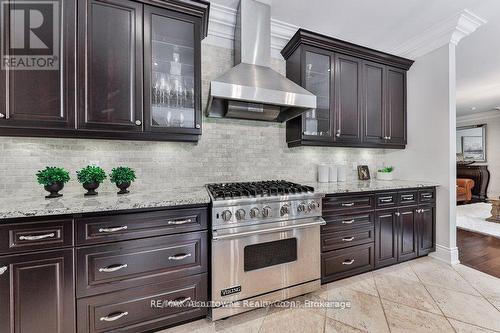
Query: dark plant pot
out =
(54, 189)
(91, 188)
(123, 188)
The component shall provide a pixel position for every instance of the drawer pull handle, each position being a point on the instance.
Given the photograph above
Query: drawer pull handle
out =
(407, 197)
(112, 268)
(427, 196)
(38, 237)
(113, 317)
(349, 221)
(386, 199)
(179, 301)
(180, 222)
(115, 229)
(348, 239)
(3, 270)
(180, 256)
(348, 262)
(350, 204)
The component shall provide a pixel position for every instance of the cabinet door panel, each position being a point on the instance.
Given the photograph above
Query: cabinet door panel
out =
(317, 124)
(373, 102)
(111, 39)
(426, 230)
(347, 98)
(386, 238)
(407, 239)
(42, 98)
(396, 106)
(172, 72)
(37, 293)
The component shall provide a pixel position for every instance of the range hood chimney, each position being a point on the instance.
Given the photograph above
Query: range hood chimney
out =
(251, 89)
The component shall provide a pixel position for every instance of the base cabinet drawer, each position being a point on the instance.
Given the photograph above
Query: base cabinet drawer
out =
(346, 222)
(339, 204)
(342, 263)
(348, 238)
(143, 308)
(106, 268)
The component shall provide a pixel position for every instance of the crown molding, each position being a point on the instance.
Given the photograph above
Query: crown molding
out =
(480, 116)
(223, 21)
(450, 30)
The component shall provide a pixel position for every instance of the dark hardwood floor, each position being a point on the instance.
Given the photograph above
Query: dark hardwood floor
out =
(479, 251)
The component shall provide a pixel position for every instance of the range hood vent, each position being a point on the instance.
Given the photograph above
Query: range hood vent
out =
(251, 89)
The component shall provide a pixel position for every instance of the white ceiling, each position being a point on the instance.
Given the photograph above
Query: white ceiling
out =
(387, 24)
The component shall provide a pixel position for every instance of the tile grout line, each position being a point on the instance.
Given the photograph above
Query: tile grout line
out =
(381, 304)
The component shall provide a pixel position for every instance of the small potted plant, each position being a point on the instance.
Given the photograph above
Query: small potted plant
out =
(385, 173)
(53, 180)
(91, 177)
(122, 177)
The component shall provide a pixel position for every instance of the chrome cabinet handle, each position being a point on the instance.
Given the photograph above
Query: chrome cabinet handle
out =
(348, 262)
(386, 199)
(3, 269)
(407, 197)
(350, 204)
(348, 239)
(138, 122)
(349, 221)
(180, 256)
(112, 268)
(38, 237)
(113, 317)
(198, 126)
(2, 116)
(179, 302)
(427, 196)
(180, 222)
(397, 214)
(115, 229)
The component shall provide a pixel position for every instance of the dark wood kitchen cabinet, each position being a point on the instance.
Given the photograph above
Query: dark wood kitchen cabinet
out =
(137, 75)
(386, 234)
(368, 108)
(426, 224)
(41, 99)
(37, 292)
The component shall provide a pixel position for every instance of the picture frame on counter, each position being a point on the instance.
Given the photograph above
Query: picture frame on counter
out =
(363, 172)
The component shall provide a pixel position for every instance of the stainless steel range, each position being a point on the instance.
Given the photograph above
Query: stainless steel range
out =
(265, 243)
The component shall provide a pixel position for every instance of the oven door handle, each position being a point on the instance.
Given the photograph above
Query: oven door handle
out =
(216, 237)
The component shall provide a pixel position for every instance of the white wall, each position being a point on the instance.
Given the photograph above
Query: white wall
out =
(492, 121)
(430, 154)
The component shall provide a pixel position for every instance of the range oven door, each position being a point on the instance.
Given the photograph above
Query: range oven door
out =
(254, 260)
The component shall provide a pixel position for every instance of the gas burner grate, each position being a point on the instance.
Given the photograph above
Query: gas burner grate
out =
(225, 191)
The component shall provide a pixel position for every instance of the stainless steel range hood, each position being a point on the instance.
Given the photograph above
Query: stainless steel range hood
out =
(251, 89)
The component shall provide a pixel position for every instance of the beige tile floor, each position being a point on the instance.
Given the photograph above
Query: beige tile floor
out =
(423, 295)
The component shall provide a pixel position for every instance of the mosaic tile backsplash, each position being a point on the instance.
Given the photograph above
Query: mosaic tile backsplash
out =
(229, 150)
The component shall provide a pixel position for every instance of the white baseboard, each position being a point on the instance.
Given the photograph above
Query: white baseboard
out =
(446, 254)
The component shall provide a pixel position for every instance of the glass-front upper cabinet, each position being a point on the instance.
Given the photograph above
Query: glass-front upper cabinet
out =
(172, 78)
(317, 79)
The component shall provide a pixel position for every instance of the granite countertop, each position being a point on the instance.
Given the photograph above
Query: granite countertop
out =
(367, 185)
(106, 201)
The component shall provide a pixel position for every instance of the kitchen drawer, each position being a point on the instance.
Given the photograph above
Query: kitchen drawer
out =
(37, 235)
(348, 203)
(139, 309)
(106, 268)
(386, 200)
(102, 229)
(345, 222)
(342, 239)
(407, 198)
(342, 263)
(427, 195)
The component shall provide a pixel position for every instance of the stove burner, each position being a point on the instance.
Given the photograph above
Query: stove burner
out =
(227, 191)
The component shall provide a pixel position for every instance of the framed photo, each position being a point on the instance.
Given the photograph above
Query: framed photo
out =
(363, 172)
(473, 148)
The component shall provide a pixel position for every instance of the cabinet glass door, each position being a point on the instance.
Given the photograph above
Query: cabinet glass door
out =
(172, 50)
(317, 122)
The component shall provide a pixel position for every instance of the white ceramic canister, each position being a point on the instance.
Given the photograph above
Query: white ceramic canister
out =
(323, 173)
(333, 174)
(341, 173)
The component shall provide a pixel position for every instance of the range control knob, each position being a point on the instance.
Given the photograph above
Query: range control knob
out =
(254, 212)
(285, 209)
(226, 215)
(313, 205)
(266, 211)
(240, 214)
(302, 208)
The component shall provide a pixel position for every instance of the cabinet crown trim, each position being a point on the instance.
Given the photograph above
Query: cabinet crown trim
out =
(306, 37)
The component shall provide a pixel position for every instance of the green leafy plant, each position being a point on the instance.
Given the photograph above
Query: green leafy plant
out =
(122, 175)
(91, 174)
(386, 169)
(52, 175)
